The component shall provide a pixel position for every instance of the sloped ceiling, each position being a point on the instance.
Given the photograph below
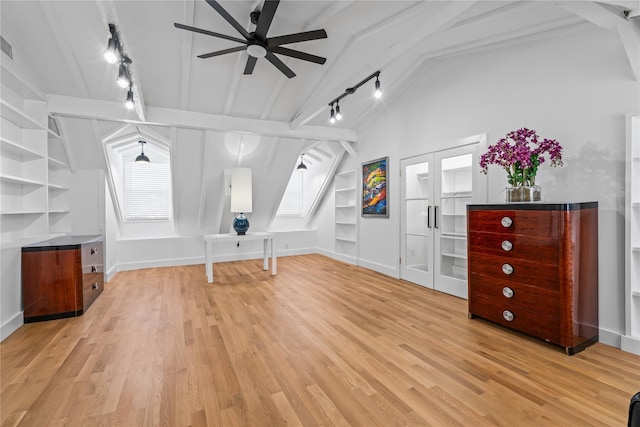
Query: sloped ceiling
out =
(197, 100)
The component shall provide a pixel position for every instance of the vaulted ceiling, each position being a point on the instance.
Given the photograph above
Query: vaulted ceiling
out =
(63, 42)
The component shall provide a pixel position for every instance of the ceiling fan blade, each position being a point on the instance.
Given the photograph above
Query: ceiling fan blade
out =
(214, 4)
(251, 64)
(297, 37)
(266, 16)
(280, 65)
(222, 52)
(208, 33)
(298, 55)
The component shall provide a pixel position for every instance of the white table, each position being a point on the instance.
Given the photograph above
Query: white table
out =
(210, 239)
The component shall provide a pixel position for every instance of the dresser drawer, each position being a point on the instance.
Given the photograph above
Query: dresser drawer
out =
(530, 322)
(92, 287)
(534, 222)
(546, 249)
(532, 298)
(527, 272)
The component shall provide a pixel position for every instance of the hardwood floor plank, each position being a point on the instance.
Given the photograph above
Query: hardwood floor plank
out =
(322, 343)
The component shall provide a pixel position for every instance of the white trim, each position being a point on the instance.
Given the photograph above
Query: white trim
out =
(629, 344)
(349, 259)
(11, 325)
(174, 262)
(608, 337)
(384, 269)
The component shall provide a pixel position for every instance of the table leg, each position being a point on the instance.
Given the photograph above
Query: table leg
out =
(208, 254)
(265, 263)
(274, 258)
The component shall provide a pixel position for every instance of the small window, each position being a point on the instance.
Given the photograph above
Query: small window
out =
(147, 191)
(291, 204)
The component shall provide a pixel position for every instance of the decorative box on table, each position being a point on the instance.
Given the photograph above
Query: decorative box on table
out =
(533, 267)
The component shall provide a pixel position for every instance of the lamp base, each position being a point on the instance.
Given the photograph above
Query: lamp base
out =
(241, 224)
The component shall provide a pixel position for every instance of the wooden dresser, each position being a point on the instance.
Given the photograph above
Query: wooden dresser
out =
(61, 277)
(533, 267)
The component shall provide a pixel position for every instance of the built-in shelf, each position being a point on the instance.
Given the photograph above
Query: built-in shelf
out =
(454, 255)
(346, 226)
(458, 195)
(56, 187)
(56, 164)
(14, 149)
(22, 212)
(59, 211)
(20, 180)
(417, 234)
(17, 116)
(422, 176)
(454, 235)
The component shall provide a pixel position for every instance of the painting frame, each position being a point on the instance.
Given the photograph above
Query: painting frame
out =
(374, 192)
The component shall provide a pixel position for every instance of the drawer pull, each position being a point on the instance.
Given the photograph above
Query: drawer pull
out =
(507, 292)
(507, 269)
(507, 245)
(506, 221)
(93, 269)
(95, 286)
(508, 316)
(94, 251)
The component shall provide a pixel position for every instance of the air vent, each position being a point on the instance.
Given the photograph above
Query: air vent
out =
(6, 48)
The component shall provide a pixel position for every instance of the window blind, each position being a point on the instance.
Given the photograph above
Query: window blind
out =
(291, 204)
(147, 191)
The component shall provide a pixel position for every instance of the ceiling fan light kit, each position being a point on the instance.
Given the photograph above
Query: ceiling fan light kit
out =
(256, 43)
(336, 114)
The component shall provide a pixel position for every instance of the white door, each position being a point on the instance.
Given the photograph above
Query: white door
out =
(416, 253)
(436, 189)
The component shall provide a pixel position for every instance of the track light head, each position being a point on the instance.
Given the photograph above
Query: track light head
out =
(111, 52)
(338, 113)
(142, 157)
(129, 102)
(332, 117)
(123, 76)
(377, 93)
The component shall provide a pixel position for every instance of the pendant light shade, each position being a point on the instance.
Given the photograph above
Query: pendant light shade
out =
(142, 157)
(301, 165)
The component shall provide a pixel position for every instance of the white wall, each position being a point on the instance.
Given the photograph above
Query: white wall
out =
(575, 88)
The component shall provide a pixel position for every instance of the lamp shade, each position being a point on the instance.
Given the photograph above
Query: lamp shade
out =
(241, 193)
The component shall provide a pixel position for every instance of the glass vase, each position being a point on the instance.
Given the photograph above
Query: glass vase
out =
(523, 194)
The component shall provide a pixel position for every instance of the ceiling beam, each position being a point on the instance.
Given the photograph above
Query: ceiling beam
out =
(603, 15)
(629, 33)
(349, 148)
(113, 111)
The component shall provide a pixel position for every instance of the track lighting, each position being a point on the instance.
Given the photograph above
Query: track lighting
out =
(301, 165)
(142, 157)
(129, 102)
(337, 114)
(111, 52)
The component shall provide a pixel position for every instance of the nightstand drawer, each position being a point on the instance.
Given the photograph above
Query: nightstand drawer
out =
(546, 249)
(530, 322)
(533, 298)
(533, 273)
(508, 222)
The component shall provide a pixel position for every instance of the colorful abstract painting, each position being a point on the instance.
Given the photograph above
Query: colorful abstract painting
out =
(374, 188)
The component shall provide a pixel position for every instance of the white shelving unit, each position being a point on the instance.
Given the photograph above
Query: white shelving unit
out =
(346, 208)
(59, 186)
(631, 339)
(23, 162)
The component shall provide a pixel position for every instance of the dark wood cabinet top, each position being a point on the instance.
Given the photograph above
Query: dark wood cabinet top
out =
(568, 206)
(61, 243)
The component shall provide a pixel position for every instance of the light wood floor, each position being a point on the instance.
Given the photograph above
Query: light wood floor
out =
(321, 343)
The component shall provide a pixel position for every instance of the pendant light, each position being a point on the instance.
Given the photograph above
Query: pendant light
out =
(129, 102)
(301, 165)
(142, 157)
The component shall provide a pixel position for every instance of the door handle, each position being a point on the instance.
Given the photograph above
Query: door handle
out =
(435, 217)
(428, 216)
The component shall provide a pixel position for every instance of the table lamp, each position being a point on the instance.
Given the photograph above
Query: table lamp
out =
(241, 198)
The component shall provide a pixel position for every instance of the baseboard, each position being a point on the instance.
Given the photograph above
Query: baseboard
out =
(108, 275)
(11, 325)
(609, 338)
(630, 344)
(349, 259)
(293, 252)
(174, 262)
(384, 269)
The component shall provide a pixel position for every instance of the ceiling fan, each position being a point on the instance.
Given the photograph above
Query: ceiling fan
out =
(256, 43)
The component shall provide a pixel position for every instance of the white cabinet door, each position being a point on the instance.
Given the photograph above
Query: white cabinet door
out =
(436, 189)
